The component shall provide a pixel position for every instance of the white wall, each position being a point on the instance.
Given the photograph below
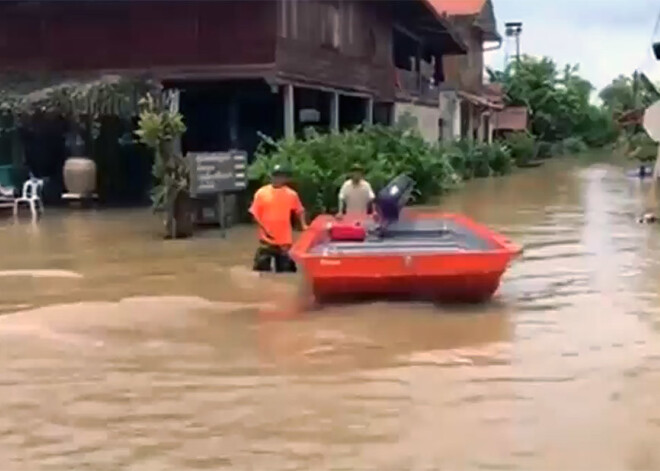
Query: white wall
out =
(450, 111)
(427, 118)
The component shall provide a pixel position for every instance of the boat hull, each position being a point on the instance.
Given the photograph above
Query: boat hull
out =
(453, 275)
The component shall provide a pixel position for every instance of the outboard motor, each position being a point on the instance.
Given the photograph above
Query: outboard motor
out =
(393, 197)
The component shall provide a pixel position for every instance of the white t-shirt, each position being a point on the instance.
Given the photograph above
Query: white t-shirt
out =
(356, 198)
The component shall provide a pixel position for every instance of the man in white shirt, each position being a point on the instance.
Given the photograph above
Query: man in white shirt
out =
(356, 195)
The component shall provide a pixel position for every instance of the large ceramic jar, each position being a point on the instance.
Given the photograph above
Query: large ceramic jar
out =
(80, 175)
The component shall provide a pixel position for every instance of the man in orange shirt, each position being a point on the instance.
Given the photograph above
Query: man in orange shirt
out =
(271, 209)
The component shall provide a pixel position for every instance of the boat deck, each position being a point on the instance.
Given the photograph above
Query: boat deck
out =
(418, 236)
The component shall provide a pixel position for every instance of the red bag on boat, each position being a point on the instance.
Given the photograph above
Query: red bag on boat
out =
(346, 232)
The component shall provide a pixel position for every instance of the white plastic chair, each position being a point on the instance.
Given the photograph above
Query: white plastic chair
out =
(32, 196)
(6, 197)
(6, 192)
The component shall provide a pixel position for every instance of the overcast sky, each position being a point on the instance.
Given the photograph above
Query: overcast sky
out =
(605, 37)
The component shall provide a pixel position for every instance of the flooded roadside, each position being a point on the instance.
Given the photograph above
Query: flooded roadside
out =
(121, 351)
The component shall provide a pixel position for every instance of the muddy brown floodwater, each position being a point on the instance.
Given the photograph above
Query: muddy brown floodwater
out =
(123, 352)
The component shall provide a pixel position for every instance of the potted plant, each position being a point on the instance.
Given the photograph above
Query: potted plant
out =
(160, 129)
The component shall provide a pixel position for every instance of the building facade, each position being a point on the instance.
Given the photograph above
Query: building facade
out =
(324, 63)
(468, 107)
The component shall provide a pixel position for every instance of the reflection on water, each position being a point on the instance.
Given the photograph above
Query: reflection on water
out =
(122, 351)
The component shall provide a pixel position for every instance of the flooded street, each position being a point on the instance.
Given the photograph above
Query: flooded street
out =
(123, 351)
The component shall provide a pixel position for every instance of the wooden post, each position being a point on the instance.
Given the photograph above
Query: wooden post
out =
(221, 214)
(289, 112)
(491, 127)
(175, 106)
(369, 112)
(233, 122)
(480, 127)
(334, 112)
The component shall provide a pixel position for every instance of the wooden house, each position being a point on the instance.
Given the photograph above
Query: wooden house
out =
(243, 66)
(467, 106)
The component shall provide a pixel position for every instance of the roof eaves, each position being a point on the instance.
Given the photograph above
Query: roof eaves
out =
(444, 21)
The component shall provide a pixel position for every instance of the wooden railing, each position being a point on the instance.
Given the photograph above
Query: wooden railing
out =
(413, 84)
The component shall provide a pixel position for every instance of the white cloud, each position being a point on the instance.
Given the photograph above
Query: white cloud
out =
(605, 37)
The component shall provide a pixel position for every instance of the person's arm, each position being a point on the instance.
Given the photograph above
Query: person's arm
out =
(302, 220)
(299, 209)
(263, 229)
(372, 198)
(256, 211)
(372, 195)
(341, 198)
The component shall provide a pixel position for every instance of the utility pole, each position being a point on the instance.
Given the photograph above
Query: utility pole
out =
(513, 29)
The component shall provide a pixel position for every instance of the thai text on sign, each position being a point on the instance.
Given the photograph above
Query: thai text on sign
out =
(218, 172)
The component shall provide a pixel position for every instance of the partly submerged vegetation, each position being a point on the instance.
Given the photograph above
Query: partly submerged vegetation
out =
(564, 120)
(320, 162)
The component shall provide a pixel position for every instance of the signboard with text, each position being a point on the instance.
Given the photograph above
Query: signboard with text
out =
(217, 172)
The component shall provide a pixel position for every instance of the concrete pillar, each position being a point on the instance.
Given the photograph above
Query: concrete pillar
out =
(289, 112)
(481, 124)
(334, 112)
(369, 112)
(470, 120)
(491, 127)
(457, 119)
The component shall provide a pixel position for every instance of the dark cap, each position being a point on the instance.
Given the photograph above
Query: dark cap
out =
(356, 167)
(281, 169)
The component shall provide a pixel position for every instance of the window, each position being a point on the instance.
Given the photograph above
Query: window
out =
(330, 30)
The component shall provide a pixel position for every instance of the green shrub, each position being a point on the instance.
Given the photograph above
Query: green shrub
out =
(573, 145)
(500, 160)
(557, 149)
(522, 146)
(642, 147)
(320, 162)
(543, 150)
(568, 146)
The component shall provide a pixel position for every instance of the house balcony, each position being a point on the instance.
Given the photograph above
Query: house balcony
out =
(413, 86)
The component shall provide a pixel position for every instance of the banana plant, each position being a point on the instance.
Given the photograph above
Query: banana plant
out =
(159, 128)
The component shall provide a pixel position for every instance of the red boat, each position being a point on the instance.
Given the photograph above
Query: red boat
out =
(443, 257)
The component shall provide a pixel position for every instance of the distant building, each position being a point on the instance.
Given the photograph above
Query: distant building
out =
(419, 62)
(467, 107)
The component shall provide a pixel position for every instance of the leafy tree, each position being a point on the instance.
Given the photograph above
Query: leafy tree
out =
(625, 94)
(558, 101)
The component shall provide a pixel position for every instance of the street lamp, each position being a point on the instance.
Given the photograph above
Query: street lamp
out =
(513, 29)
